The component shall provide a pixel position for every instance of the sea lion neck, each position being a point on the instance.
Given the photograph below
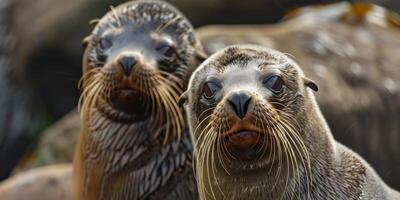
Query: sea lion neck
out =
(106, 122)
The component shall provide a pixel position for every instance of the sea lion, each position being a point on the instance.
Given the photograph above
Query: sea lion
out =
(258, 133)
(358, 97)
(134, 143)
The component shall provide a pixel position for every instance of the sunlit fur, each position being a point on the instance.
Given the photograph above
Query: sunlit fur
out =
(299, 159)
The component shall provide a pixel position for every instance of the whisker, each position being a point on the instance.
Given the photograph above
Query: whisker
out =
(94, 21)
(114, 12)
(162, 27)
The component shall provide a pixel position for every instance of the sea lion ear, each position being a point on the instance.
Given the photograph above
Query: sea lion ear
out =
(201, 55)
(310, 83)
(183, 99)
(85, 42)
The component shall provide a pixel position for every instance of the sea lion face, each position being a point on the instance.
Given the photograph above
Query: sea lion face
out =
(137, 62)
(245, 105)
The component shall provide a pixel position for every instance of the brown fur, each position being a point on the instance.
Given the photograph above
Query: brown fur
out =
(301, 160)
(134, 143)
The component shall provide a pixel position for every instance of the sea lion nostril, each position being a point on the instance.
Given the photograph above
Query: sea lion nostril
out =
(240, 103)
(127, 62)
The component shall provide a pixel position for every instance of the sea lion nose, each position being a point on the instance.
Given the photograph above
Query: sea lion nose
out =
(239, 101)
(127, 62)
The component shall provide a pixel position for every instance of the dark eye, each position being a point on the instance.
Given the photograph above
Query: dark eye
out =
(166, 50)
(274, 83)
(209, 89)
(105, 44)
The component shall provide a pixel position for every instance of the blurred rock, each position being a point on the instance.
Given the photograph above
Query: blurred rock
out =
(46, 183)
(252, 11)
(57, 144)
(40, 65)
(352, 52)
(15, 119)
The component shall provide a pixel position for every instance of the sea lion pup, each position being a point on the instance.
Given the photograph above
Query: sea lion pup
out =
(259, 134)
(134, 143)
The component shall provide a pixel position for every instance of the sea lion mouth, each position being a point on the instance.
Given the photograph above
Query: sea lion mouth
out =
(243, 139)
(129, 100)
(245, 144)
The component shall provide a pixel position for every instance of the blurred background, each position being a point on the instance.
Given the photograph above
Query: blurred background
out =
(352, 51)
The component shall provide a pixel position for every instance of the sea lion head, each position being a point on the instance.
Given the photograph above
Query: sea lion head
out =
(137, 62)
(246, 105)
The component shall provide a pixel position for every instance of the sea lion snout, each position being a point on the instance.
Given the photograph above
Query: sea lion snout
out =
(127, 61)
(239, 102)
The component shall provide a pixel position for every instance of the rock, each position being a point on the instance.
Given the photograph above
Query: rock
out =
(45, 183)
(252, 11)
(57, 144)
(352, 52)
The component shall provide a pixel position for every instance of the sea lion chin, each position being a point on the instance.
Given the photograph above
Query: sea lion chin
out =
(259, 133)
(129, 100)
(244, 145)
